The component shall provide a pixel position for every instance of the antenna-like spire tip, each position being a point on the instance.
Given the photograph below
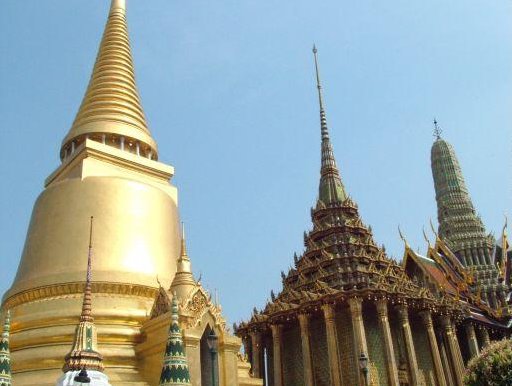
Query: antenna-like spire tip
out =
(314, 49)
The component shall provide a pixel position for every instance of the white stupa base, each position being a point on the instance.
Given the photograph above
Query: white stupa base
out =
(97, 379)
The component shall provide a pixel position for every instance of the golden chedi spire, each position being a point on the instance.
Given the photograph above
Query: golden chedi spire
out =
(183, 281)
(134, 205)
(111, 110)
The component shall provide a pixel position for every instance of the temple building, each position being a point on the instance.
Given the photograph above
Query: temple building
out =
(110, 170)
(349, 315)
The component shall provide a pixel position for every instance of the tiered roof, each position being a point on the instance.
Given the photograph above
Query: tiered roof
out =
(341, 258)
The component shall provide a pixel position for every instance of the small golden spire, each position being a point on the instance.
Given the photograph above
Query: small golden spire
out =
(111, 105)
(183, 242)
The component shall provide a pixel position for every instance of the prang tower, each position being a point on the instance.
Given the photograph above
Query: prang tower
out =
(460, 227)
(110, 170)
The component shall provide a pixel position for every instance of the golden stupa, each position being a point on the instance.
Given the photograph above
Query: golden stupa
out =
(109, 170)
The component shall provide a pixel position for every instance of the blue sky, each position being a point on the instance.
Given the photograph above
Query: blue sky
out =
(228, 89)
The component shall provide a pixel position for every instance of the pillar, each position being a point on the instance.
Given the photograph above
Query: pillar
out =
(484, 336)
(122, 143)
(360, 345)
(457, 346)
(472, 342)
(382, 311)
(453, 349)
(104, 139)
(306, 350)
(278, 368)
(256, 353)
(332, 344)
(426, 317)
(403, 316)
(444, 357)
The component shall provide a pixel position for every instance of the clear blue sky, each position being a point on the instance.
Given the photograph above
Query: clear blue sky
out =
(228, 89)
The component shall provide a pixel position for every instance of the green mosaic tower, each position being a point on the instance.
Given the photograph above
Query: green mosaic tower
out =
(5, 355)
(460, 227)
(175, 368)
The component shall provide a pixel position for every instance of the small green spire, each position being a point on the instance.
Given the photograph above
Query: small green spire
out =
(175, 367)
(5, 354)
(331, 189)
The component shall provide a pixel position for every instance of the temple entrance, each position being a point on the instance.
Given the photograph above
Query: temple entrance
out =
(206, 360)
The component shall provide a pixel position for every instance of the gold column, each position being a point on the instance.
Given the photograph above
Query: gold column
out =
(426, 317)
(452, 343)
(278, 369)
(382, 310)
(403, 315)
(309, 379)
(457, 346)
(256, 353)
(332, 344)
(360, 345)
(472, 342)
(444, 357)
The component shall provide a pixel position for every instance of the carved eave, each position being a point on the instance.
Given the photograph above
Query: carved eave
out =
(191, 309)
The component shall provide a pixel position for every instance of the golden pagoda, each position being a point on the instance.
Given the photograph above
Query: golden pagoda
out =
(110, 170)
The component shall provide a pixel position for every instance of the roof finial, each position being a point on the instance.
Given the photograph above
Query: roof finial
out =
(403, 237)
(323, 118)
(437, 130)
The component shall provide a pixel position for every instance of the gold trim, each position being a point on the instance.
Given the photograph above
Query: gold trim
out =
(75, 288)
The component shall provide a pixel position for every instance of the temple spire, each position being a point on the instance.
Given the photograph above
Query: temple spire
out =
(111, 110)
(437, 130)
(84, 354)
(331, 188)
(183, 281)
(175, 368)
(5, 354)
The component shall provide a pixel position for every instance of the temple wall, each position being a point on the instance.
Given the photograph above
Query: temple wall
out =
(319, 351)
(398, 340)
(375, 342)
(346, 346)
(293, 370)
(422, 349)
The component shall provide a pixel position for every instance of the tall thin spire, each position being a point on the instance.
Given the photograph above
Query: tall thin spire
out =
(84, 354)
(5, 353)
(183, 281)
(175, 370)
(331, 188)
(437, 130)
(111, 106)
